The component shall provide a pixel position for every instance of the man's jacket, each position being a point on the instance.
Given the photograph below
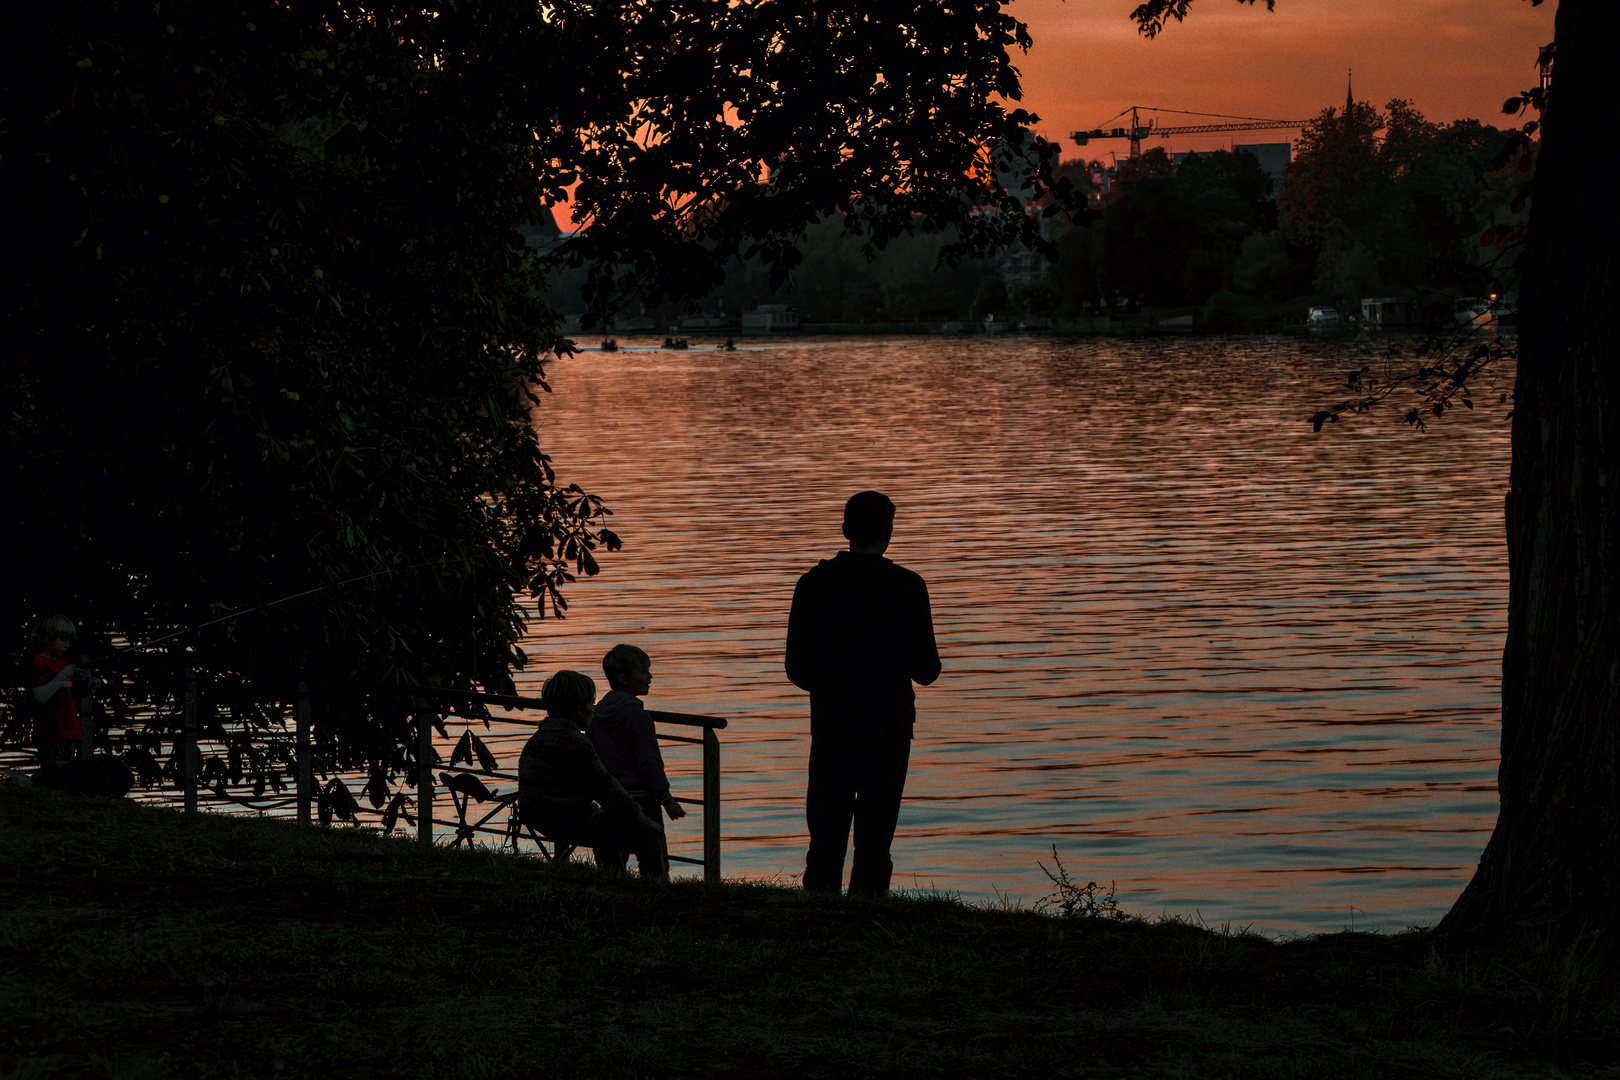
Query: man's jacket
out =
(859, 634)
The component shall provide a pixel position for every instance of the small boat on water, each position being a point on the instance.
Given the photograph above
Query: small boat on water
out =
(1485, 311)
(609, 345)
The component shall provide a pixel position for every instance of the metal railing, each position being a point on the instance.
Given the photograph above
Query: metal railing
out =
(466, 787)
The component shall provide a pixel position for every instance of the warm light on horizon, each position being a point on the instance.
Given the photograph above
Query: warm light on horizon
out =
(1452, 59)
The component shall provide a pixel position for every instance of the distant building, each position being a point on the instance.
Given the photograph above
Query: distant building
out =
(1020, 266)
(770, 319)
(1274, 158)
(1386, 311)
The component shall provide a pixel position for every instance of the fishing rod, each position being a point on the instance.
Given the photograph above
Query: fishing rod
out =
(274, 603)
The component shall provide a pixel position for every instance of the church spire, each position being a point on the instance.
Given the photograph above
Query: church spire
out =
(1349, 98)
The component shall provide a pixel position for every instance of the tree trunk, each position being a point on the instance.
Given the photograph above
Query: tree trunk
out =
(1553, 862)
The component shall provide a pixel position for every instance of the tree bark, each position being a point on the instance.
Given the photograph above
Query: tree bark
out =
(1553, 862)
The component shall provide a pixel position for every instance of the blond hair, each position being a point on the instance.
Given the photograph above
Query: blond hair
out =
(566, 691)
(623, 660)
(48, 628)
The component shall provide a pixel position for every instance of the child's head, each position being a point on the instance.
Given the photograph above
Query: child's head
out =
(48, 630)
(627, 668)
(566, 693)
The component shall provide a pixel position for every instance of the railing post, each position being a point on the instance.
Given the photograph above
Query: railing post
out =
(306, 782)
(189, 757)
(424, 772)
(711, 806)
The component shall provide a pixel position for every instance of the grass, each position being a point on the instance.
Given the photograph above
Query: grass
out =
(139, 942)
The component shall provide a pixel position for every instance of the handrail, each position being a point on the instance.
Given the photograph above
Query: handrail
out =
(510, 701)
(659, 716)
(427, 757)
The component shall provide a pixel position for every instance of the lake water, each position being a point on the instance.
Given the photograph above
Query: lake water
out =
(1246, 671)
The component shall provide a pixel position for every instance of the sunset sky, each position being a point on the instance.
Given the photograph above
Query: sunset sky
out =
(1452, 58)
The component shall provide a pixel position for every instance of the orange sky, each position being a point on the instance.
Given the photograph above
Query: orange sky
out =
(1452, 58)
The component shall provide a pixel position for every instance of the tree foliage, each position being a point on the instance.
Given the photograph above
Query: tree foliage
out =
(1174, 233)
(269, 320)
(1388, 197)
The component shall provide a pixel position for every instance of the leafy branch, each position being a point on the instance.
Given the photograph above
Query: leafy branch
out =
(1447, 376)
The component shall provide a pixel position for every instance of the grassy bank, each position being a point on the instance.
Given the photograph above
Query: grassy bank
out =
(137, 942)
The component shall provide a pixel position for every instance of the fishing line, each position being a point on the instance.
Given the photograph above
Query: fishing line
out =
(277, 603)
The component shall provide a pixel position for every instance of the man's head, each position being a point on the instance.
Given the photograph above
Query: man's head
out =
(569, 694)
(868, 521)
(628, 668)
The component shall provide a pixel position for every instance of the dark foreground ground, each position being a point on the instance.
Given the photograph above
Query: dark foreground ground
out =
(137, 942)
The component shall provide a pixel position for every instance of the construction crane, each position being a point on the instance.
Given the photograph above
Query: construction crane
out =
(1139, 131)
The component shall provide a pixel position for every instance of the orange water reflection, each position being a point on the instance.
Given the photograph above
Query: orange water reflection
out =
(1243, 669)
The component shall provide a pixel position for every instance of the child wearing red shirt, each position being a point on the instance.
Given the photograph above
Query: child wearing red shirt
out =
(50, 680)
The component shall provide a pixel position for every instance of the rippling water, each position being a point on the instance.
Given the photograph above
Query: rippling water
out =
(1244, 670)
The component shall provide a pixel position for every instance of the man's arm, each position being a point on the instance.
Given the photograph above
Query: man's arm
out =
(925, 665)
(802, 662)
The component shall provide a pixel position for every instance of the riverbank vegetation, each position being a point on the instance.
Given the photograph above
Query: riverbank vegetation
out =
(1376, 202)
(141, 942)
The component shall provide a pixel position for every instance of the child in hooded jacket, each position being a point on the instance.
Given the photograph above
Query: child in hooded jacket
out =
(622, 731)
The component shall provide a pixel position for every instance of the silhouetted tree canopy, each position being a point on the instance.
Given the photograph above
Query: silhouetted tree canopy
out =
(1390, 199)
(270, 325)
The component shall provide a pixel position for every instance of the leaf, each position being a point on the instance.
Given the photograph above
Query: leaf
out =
(1488, 237)
(396, 810)
(467, 784)
(463, 751)
(485, 758)
(336, 800)
(377, 787)
(1513, 105)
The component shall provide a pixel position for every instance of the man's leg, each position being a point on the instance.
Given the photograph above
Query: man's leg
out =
(877, 811)
(829, 804)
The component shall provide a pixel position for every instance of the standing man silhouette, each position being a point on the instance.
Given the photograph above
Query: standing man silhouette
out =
(859, 634)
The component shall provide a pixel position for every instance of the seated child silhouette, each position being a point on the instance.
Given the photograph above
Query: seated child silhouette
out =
(566, 795)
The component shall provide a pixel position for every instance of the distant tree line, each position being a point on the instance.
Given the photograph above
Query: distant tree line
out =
(1375, 202)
